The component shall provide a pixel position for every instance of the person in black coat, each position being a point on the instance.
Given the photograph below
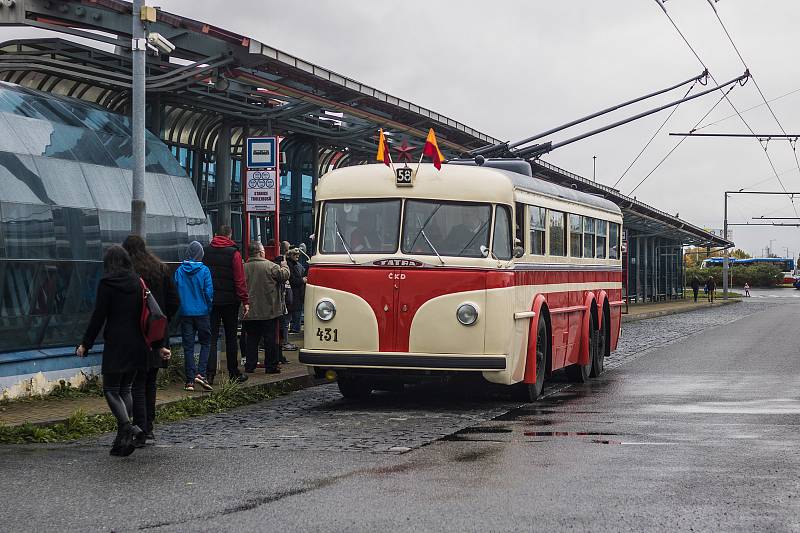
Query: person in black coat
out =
(158, 279)
(297, 280)
(695, 287)
(118, 307)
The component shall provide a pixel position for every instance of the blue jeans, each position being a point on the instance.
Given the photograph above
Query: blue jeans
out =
(297, 317)
(284, 323)
(201, 326)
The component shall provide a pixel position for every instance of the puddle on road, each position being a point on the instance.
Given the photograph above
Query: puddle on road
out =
(779, 406)
(567, 434)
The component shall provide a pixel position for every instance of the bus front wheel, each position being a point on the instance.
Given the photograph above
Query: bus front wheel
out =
(530, 392)
(353, 388)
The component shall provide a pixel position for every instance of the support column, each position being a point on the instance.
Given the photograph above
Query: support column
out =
(645, 268)
(138, 207)
(639, 269)
(223, 171)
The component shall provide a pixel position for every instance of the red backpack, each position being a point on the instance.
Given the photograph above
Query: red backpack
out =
(153, 322)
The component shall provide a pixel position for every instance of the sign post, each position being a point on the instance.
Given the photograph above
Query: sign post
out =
(261, 184)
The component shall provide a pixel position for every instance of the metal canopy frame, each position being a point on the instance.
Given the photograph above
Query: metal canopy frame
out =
(234, 75)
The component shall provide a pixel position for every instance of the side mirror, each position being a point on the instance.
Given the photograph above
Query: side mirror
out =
(519, 251)
(484, 251)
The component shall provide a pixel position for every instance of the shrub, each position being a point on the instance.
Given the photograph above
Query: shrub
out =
(754, 275)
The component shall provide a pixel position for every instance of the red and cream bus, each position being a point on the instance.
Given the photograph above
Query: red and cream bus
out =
(480, 269)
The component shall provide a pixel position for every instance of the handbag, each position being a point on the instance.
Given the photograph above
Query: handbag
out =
(153, 321)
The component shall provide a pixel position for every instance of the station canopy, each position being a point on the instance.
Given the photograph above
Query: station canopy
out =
(217, 76)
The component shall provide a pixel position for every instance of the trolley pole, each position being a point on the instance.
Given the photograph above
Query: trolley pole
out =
(138, 51)
(725, 265)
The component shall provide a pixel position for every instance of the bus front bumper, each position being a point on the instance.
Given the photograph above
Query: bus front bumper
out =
(403, 360)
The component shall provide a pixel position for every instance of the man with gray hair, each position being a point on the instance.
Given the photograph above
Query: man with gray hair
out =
(265, 286)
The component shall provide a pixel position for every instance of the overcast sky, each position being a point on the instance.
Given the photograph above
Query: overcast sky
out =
(514, 68)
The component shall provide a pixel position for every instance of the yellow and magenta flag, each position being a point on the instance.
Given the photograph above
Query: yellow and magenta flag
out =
(431, 149)
(383, 149)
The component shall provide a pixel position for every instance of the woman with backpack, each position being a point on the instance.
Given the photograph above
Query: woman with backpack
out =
(118, 310)
(158, 279)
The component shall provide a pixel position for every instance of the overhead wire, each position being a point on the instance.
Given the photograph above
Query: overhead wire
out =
(792, 144)
(724, 95)
(696, 55)
(746, 110)
(674, 109)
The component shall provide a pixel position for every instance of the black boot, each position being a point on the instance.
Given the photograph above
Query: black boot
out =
(116, 447)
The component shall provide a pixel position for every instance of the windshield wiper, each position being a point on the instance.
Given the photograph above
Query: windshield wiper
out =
(422, 232)
(478, 232)
(339, 233)
(423, 226)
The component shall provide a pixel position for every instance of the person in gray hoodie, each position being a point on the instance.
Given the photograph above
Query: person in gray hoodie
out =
(196, 292)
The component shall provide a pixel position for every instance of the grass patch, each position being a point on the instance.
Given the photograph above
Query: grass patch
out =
(80, 425)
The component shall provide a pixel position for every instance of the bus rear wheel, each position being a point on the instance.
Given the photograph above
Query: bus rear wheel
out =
(581, 373)
(353, 388)
(530, 392)
(600, 352)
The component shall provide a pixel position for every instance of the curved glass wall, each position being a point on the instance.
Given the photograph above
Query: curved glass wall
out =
(65, 196)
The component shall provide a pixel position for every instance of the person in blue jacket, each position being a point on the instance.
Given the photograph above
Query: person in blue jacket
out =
(196, 292)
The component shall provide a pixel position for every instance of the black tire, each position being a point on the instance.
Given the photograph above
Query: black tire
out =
(598, 365)
(581, 373)
(353, 388)
(530, 392)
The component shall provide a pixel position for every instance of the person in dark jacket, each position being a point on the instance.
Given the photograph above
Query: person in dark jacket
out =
(695, 287)
(118, 307)
(196, 293)
(161, 285)
(297, 280)
(230, 291)
(283, 322)
(712, 286)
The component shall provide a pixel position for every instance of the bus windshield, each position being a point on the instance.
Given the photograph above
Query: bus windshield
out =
(445, 228)
(353, 226)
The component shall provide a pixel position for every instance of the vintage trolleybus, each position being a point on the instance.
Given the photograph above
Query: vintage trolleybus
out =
(471, 268)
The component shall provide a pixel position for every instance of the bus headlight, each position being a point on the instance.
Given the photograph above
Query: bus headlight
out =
(326, 310)
(467, 314)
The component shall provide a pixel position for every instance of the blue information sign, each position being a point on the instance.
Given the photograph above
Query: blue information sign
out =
(261, 152)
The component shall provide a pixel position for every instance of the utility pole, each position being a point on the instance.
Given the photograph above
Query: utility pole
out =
(725, 260)
(138, 51)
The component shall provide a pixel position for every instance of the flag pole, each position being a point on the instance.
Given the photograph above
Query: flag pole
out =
(420, 162)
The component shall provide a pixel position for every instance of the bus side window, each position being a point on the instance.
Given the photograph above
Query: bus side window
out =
(502, 233)
(537, 229)
(519, 225)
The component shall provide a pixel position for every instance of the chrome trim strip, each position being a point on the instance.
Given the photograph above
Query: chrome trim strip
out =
(560, 310)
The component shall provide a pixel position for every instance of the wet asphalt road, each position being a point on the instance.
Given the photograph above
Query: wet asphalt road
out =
(693, 427)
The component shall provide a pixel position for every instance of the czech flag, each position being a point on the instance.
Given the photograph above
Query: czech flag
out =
(383, 149)
(431, 149)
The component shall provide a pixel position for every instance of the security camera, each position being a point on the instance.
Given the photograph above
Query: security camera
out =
(160, 42)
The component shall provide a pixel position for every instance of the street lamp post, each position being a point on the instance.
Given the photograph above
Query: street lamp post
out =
(725, 259)
(594, 168)
(138, 51)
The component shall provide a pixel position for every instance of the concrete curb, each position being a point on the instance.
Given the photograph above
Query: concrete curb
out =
(665, 312)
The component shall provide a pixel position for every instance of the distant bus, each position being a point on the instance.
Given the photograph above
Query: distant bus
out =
(785, 264)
